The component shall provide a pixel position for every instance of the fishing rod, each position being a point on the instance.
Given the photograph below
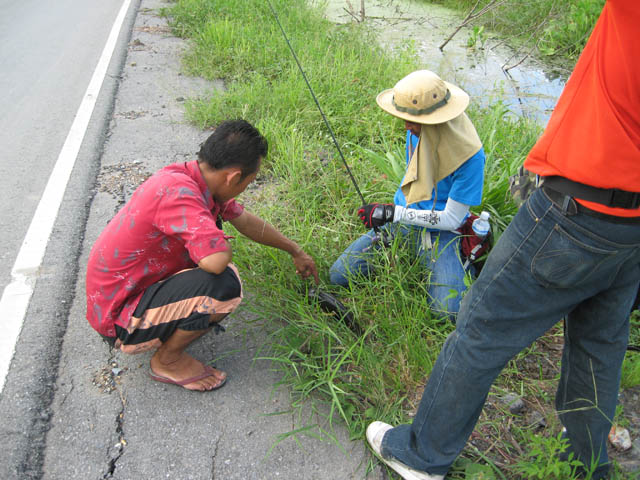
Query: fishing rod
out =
(325, 300)
(380, 235)
(326, 122)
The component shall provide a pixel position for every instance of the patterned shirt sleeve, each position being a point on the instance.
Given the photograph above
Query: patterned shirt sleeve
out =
(231, 210)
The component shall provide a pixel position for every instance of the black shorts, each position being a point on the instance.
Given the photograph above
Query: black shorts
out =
(185, 300)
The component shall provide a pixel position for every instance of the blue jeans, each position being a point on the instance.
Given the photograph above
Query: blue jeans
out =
(547, 265)
(443, 265)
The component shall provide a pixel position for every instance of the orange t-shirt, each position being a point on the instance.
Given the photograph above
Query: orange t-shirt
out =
(593, 135)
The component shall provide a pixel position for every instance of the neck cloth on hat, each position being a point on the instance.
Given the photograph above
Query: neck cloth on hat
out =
(442, 148)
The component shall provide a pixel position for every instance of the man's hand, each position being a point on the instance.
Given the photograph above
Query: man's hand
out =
(305, 266)
(375, 215)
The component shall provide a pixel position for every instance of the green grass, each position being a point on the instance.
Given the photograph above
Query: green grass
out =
(541, 460)
(305, 191)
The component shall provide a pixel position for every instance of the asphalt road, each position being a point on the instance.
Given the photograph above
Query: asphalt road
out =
(48, 52)
(71, 407)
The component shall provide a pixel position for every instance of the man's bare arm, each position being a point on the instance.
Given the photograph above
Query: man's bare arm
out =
(262, 232)
(216, 262)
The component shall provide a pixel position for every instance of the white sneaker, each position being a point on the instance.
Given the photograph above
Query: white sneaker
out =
(375, 433)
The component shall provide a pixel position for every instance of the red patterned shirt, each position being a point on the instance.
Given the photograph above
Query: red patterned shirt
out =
(169, 224)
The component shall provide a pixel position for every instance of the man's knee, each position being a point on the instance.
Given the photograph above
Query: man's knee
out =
(224, 286)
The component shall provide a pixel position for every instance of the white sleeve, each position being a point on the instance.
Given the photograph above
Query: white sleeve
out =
(448, 219)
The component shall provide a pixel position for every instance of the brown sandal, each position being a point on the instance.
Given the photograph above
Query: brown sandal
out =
(208, 372)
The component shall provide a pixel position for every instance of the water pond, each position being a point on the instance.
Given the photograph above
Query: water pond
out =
(476, 61)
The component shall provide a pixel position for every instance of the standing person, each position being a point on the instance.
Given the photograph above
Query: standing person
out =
(573, 250)
(160, 274)
(445, 174)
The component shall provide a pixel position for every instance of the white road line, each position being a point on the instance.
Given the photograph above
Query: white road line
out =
(17, 294)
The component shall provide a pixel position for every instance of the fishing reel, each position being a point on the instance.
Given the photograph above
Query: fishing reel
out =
(382, 237)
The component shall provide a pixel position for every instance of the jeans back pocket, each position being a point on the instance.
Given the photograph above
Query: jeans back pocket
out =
(563, 261)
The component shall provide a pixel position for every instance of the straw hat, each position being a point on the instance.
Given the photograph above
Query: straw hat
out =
(423, 97)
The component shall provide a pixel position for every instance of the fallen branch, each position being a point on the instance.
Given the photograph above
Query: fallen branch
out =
(535, 46)
(472, 16)
(351, 11)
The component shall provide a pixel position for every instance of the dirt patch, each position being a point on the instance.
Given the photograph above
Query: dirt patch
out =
(108, 377)
(122, 179)
(154, 29)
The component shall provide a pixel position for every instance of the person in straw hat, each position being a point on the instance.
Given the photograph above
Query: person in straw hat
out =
(444, 176)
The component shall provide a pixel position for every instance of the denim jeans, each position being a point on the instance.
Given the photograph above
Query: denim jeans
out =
(547, 265)
(443, 265)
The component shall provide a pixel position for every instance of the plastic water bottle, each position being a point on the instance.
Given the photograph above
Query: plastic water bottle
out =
(481, 225)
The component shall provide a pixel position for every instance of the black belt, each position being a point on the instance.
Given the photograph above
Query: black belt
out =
(568, 205)
(609, 197)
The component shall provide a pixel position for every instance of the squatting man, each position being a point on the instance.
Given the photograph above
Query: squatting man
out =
(160, 274)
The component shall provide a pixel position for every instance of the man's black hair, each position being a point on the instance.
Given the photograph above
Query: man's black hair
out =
(234, 143)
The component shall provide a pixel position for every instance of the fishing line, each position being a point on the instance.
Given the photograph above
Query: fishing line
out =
(326, 122)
